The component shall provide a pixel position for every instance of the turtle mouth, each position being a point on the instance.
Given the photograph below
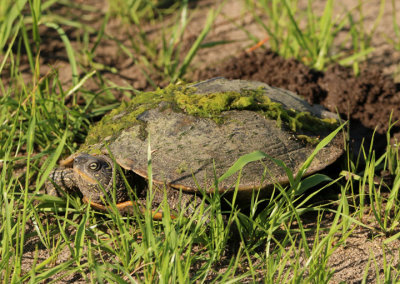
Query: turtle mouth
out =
(84, 176)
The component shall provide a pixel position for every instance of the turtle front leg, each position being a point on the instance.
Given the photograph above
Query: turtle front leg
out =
(63, 179)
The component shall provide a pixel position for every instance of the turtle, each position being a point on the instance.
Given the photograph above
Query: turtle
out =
(193, 133)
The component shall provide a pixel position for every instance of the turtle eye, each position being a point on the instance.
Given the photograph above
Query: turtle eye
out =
(94, 166)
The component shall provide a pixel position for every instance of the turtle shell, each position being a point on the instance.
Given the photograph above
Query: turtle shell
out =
(189, 151)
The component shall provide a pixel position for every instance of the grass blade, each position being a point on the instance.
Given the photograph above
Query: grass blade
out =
(69, 49)
(193, 50)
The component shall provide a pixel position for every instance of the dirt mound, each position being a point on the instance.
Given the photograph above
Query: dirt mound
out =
(368, 98)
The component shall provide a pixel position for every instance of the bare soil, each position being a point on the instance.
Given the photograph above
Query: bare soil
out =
(366, 100)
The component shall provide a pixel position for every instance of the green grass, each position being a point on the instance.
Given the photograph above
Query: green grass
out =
(162, 54)
(281, 239)
(311, 38)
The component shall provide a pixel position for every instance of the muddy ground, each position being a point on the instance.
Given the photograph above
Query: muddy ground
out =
(366, 100)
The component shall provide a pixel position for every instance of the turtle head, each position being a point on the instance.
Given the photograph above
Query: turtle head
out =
(92, 172)
(94, 177)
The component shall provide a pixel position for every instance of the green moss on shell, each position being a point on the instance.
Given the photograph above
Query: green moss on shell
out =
(126, 114)
(183, 98)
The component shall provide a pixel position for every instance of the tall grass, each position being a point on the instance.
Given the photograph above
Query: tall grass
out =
(312, 38)
(395, 41)
(10, 12)
(164, 54)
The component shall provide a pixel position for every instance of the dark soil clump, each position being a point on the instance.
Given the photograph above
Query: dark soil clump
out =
(370, 97)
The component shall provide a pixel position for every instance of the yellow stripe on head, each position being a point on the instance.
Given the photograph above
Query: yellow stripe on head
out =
(84, 176)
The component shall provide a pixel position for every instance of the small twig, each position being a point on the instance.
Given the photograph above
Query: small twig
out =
(260, 43)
